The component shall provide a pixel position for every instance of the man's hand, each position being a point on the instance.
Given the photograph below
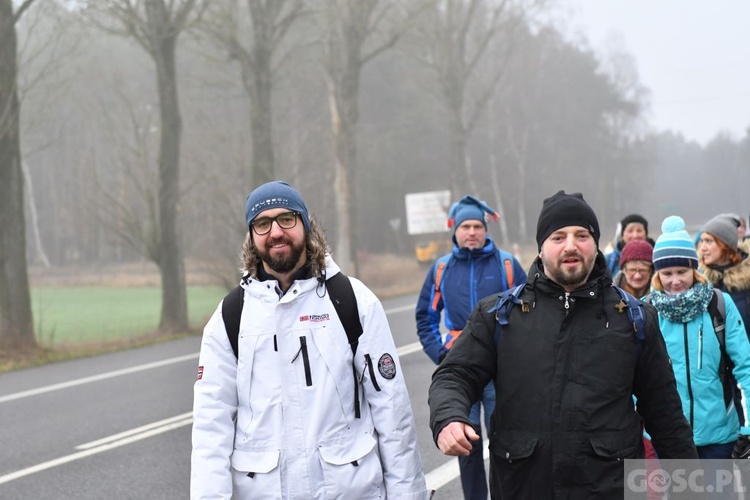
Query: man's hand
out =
(455, 439)
(741, 447)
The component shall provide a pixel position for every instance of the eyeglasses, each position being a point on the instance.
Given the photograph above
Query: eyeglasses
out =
(637, 270)
(286, 220)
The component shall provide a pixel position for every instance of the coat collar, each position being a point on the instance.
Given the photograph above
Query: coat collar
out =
(489, 248)
(734, 278)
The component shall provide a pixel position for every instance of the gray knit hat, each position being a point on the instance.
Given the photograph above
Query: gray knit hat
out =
(724, 227)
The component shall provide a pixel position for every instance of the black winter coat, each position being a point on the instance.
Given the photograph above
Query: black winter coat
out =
(564, 374)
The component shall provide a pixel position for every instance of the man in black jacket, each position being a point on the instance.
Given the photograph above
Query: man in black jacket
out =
(565, 370)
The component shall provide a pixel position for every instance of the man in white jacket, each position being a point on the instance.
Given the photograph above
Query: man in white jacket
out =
(281, 420)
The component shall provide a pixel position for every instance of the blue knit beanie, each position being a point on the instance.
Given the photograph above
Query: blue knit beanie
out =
(469, 208)
(276, 194)
(675, 247)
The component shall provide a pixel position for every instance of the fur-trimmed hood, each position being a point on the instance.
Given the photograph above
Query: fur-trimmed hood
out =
(733, 279)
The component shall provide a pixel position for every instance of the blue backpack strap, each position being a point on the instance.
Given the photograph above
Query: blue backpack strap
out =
(505, 301)
(636, 316)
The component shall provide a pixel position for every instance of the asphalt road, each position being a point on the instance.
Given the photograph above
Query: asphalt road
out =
(117, 426)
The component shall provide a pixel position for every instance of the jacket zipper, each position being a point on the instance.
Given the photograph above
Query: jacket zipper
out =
(567, 303)
(687, 373)
(700, 346)
(305, 359)
(368, 364)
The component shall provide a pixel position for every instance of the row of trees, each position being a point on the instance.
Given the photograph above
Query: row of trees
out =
(145, 123)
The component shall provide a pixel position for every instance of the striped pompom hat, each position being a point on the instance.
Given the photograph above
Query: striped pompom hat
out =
(674, 248)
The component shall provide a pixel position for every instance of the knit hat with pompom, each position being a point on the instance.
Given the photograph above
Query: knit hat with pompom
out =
(674, 248)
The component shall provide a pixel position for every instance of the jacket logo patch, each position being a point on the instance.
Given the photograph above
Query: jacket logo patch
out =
(386, 366)
(200, 372)
(315, 318)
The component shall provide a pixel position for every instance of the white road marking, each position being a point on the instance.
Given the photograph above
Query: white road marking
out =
(408, 349)
(402, 351)
(167, 421)
(96, 378)
(435, 479)
(95, 450)
(400, 309)
(439, 477)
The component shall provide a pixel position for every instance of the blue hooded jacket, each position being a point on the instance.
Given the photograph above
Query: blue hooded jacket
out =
(468, 276)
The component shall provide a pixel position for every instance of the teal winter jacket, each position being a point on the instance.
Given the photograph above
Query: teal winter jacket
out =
(695, 353)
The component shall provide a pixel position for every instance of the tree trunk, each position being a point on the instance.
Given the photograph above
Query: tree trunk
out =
(458, 155)
(171, 266)
(343, 97)
(16, 320)
(257, 83)
(41, 254)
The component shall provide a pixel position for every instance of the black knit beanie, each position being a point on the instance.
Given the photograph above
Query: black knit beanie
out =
(562, 210)
(628, 219)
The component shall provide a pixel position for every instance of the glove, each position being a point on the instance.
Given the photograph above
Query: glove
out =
(741, 447)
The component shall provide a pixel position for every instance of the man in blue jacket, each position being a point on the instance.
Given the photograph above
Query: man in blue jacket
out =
(474, 269)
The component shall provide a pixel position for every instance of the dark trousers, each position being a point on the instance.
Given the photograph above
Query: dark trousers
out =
(473, 476)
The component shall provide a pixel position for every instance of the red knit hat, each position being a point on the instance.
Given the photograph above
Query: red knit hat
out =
(637, 250)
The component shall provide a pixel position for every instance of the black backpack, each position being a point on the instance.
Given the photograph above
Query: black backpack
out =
(344, 301)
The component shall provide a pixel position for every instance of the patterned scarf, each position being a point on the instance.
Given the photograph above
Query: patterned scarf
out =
(685, 306)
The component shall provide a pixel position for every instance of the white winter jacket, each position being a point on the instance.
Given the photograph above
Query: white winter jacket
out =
(279, 422)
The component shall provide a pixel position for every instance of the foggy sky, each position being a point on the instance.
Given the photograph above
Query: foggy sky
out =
(694, 56)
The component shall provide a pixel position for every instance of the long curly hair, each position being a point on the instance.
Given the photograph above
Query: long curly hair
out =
(316, 247)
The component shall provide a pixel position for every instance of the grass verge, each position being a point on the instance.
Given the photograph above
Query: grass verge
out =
(74, 322)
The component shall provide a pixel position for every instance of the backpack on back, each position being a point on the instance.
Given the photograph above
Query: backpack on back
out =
(501, 255)
(342, 296)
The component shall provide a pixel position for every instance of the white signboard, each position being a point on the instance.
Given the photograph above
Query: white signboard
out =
(427, 212)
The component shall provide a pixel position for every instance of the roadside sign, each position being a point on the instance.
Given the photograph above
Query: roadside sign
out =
(427, 212)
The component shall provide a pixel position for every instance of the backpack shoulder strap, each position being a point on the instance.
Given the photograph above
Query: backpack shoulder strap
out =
(439, 270)
(507, 261)
(345, 302)
(342, 296)
(231, 312)
(718, 311)
(504, 303)
(636, 316)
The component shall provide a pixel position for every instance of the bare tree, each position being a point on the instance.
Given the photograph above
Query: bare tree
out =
(269, 23)
(16, 319)
(355, 33)
(456, 36)
(156, 25)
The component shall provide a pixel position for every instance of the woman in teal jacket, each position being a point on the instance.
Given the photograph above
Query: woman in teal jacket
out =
(681, 296)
